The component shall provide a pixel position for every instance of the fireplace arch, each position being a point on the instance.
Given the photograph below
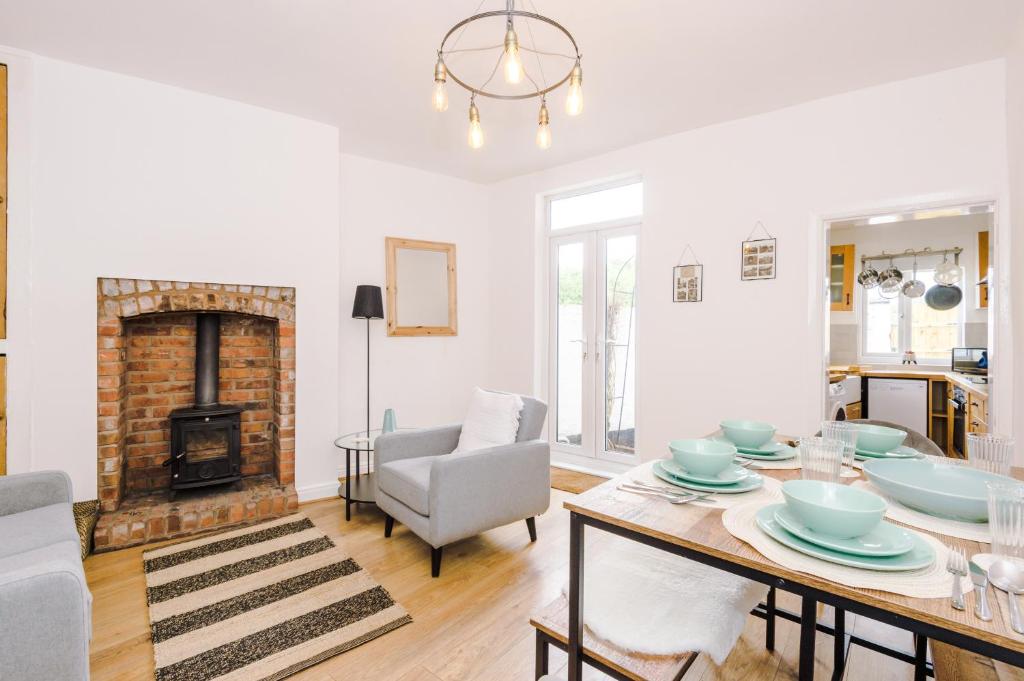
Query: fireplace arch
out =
(141, 377)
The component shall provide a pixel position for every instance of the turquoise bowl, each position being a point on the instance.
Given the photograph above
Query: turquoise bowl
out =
(939, 489)
(878, 438)
(702, 457)
(833, 509)
(749, 434)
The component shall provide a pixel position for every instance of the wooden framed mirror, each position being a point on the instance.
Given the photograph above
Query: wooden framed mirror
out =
(421, 288)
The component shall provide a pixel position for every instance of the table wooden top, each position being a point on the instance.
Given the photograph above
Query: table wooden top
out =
(699, 528)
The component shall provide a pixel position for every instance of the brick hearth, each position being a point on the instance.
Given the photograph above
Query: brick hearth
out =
(144, 518)
(146, 367)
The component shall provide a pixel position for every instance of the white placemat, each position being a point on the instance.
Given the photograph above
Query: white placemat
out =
(929, 582)
(908, 516)
(787, 465)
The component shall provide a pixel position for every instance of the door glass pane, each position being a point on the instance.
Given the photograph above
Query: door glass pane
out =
(205, 444)
(881, 324)
(620, 344)
(933, 333)
(569, 331)
(607, 204)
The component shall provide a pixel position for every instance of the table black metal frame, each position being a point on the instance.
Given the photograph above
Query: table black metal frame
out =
(807, 618)
(362, 479)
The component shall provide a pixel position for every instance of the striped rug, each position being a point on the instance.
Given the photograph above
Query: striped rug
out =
(260, 603)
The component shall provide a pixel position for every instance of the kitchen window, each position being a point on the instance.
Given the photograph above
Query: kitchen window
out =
(892, 326)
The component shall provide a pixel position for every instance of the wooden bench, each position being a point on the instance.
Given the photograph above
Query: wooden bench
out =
(552, 625)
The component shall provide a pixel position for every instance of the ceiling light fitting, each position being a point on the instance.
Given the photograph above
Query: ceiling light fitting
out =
(511, 62)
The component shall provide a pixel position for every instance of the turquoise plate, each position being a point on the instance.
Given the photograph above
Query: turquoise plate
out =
(921, 556)
(729, 476)
(901, 452)
(748, 484)
(885, 540)
(767, 449)
(783, 452)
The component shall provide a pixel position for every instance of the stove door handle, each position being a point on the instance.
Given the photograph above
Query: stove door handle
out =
(167, 463)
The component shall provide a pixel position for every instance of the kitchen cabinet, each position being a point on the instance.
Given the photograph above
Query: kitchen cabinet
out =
(982, 268)
(977, 413)
(853, 411)
(840, 277)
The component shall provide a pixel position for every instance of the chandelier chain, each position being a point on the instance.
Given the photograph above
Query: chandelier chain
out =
(533, 41)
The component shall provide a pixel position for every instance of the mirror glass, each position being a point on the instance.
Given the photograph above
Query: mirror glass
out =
(422, 280)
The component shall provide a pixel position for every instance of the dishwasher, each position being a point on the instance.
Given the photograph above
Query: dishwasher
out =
(903, 401)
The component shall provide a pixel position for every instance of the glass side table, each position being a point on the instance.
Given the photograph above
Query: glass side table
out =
(358, 488)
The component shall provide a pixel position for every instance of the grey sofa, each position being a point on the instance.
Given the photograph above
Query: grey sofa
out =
(45, 604)
(444, 497)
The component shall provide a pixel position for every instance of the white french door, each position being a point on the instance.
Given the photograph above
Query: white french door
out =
(592, 362)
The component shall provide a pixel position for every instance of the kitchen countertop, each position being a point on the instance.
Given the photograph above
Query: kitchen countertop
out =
(913, 371)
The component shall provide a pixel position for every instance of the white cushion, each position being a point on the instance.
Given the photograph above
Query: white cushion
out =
(492, 420)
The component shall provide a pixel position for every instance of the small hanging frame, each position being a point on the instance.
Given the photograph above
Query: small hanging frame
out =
(688, 279)
(758, 256)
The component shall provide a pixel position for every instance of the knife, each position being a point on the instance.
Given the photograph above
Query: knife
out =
(980, 580)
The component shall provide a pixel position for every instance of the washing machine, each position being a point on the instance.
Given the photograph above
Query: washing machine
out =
(837, 401)
(841, 395)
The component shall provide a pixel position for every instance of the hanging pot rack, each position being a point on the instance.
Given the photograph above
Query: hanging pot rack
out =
(864, 259)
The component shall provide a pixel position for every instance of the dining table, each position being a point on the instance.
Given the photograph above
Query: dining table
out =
(695, 531)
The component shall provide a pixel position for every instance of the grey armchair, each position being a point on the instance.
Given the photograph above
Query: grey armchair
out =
(444, 497)
(45, 604)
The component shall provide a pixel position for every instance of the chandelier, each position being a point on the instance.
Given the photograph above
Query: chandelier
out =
(510, 62)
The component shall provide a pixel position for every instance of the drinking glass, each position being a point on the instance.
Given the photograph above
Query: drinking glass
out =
(992, 453)
(845, 432)
(820, 458)
(1006, 518)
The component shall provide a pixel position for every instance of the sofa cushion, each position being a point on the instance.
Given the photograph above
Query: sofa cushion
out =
(492, 420)
(408, 480)
(43, 526)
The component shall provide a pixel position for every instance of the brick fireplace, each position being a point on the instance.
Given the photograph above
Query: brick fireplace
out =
(146, 369)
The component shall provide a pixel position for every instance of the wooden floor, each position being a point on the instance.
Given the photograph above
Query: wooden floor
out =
(471, 624)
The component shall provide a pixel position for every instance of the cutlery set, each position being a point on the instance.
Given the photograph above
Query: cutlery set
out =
(673, 496)
(1005, 575)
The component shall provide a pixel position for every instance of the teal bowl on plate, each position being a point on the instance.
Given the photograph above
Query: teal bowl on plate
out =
(748, 434)
(878, 439)
(939, 489)
(703, 457)
(833, 509)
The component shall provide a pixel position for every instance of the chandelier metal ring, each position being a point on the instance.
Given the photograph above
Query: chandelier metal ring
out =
(540, 92)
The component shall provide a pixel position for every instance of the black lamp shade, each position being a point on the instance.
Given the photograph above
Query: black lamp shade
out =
(367, 303)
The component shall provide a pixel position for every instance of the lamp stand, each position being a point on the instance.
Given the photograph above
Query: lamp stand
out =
(367, 377)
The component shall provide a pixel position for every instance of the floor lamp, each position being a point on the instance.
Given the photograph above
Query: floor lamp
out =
(367, 305)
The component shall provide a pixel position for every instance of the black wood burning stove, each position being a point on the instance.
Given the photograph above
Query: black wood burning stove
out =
(206, 442)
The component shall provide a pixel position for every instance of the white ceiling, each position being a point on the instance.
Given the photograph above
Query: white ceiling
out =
(651, 67)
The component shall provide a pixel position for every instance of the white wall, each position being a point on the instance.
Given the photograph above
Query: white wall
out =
(135, 179)
(427, 381)
(1014, 252)
(752, 349)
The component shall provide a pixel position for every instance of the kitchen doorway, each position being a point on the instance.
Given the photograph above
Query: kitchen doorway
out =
(909, 313)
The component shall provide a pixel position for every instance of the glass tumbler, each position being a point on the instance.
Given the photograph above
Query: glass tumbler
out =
(1006, 518)
(992, 453)
(821, 458)
(845, 432)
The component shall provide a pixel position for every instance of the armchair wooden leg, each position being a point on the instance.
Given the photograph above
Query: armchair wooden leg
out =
(435, 561)
(531, 525)
(389, 524)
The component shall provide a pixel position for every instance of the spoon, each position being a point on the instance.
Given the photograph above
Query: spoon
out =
(1008, 576)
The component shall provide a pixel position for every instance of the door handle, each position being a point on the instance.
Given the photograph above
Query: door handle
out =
(583, 346)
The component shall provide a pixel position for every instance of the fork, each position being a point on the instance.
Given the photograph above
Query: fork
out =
(670, 498)
(747, 463)
(678, 491)
(956, 565)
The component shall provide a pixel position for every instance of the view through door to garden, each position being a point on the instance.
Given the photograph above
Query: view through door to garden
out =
(595, 329)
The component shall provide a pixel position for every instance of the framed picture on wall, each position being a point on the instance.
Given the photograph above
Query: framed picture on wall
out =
(687, 283)
(758, 259)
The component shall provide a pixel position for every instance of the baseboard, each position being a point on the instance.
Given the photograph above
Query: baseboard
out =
(602, 469)
(323, 490)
